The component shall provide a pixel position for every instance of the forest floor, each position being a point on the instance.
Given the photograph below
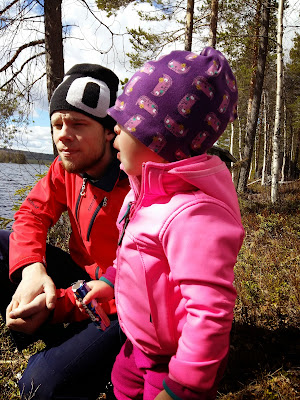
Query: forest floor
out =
(264, 359)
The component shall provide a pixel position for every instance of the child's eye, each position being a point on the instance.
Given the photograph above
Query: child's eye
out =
(117, 130)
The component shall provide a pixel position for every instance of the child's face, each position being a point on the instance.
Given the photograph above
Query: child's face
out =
(132, 153)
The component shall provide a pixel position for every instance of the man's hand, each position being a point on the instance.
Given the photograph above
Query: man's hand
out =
(35, 281)
(33, 314)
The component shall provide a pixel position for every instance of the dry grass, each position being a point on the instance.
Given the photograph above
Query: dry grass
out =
(265, 348)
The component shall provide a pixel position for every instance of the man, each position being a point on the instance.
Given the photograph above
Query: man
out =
(84, 180)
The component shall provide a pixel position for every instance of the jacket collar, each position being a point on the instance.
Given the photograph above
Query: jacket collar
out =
(164, 179)
(108, 181)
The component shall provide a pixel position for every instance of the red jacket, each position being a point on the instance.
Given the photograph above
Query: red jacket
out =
(93, 209)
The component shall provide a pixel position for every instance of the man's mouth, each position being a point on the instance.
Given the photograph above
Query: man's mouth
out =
(67, 152)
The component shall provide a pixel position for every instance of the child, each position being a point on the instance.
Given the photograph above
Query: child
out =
(180, 229)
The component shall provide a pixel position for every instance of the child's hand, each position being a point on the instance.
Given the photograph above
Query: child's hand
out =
(100, 291)
(163, 395)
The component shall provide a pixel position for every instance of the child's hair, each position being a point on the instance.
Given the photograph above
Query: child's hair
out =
(179, 105)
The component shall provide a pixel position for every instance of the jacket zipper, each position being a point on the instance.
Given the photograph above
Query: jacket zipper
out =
(125, 217)
(102, 204)
(129, 212)
(81, 195)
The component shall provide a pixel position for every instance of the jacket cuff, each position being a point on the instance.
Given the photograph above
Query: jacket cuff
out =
(109, 277)
(179, 392)
(106, 281)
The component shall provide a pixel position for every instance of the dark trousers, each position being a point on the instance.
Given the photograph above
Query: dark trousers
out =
(78, 358)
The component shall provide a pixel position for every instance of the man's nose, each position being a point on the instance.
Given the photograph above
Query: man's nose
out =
(66, 132)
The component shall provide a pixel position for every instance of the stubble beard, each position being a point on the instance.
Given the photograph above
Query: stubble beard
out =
(82, 165)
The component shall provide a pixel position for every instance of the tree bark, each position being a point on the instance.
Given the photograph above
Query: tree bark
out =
(213, 23)
(252, 123)
(54, 47)
(254, 57)
(276, 135)
(266, 142)
(189, 25)
(285, 148)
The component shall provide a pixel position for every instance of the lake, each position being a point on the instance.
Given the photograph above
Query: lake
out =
(13, 177)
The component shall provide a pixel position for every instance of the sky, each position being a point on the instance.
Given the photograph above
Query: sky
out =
(86, 36)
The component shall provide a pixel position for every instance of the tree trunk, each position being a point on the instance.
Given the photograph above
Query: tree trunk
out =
(54, 47)
(189, 25)
(240, 138)
(285, 148)
(258, 148)
(296, 154)
(233, 170)
(276, 135)
(213, 23)
(266, 142)
(291, 146)
(252, 123)
(254, 57)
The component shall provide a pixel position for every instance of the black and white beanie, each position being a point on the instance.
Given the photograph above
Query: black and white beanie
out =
(89, 89)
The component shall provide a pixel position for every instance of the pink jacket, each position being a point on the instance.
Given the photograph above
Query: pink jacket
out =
(173, 276)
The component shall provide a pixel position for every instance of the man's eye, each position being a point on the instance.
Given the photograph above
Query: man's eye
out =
(79, 124)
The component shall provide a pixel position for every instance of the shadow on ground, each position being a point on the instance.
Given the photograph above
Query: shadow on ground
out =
(257, 351)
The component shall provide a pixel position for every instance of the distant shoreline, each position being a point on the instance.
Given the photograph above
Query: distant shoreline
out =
(24, 157)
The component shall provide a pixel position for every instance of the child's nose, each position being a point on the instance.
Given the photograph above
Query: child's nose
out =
(115, 144)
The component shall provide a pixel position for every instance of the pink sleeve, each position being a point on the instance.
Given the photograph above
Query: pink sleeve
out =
(202, 243)
(109, 276)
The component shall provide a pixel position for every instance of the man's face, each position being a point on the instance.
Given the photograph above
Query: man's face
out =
(83, 144)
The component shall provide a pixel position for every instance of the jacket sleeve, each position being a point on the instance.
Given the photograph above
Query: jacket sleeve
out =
(202, 252)
(40, 210)
(66, 309)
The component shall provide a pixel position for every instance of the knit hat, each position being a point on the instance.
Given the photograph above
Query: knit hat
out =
(89, 89)
(179, 105)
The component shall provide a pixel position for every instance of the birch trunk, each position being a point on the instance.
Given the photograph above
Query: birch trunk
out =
(240, 139)
(258, 149)
(266, 142)
(290, 171)
(285, 149)
(233, 172)
(276, 135)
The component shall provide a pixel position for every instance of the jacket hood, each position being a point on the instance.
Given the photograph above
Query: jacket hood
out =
(205, 172)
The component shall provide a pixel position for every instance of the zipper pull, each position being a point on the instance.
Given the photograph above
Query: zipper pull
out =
(123, 230)
(104, 201)
(126, 212)
(82, 191)
(126, 222)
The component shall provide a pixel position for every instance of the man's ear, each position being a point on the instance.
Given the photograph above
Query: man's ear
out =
(110, 135)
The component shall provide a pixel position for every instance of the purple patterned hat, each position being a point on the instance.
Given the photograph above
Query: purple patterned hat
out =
(179, 105)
